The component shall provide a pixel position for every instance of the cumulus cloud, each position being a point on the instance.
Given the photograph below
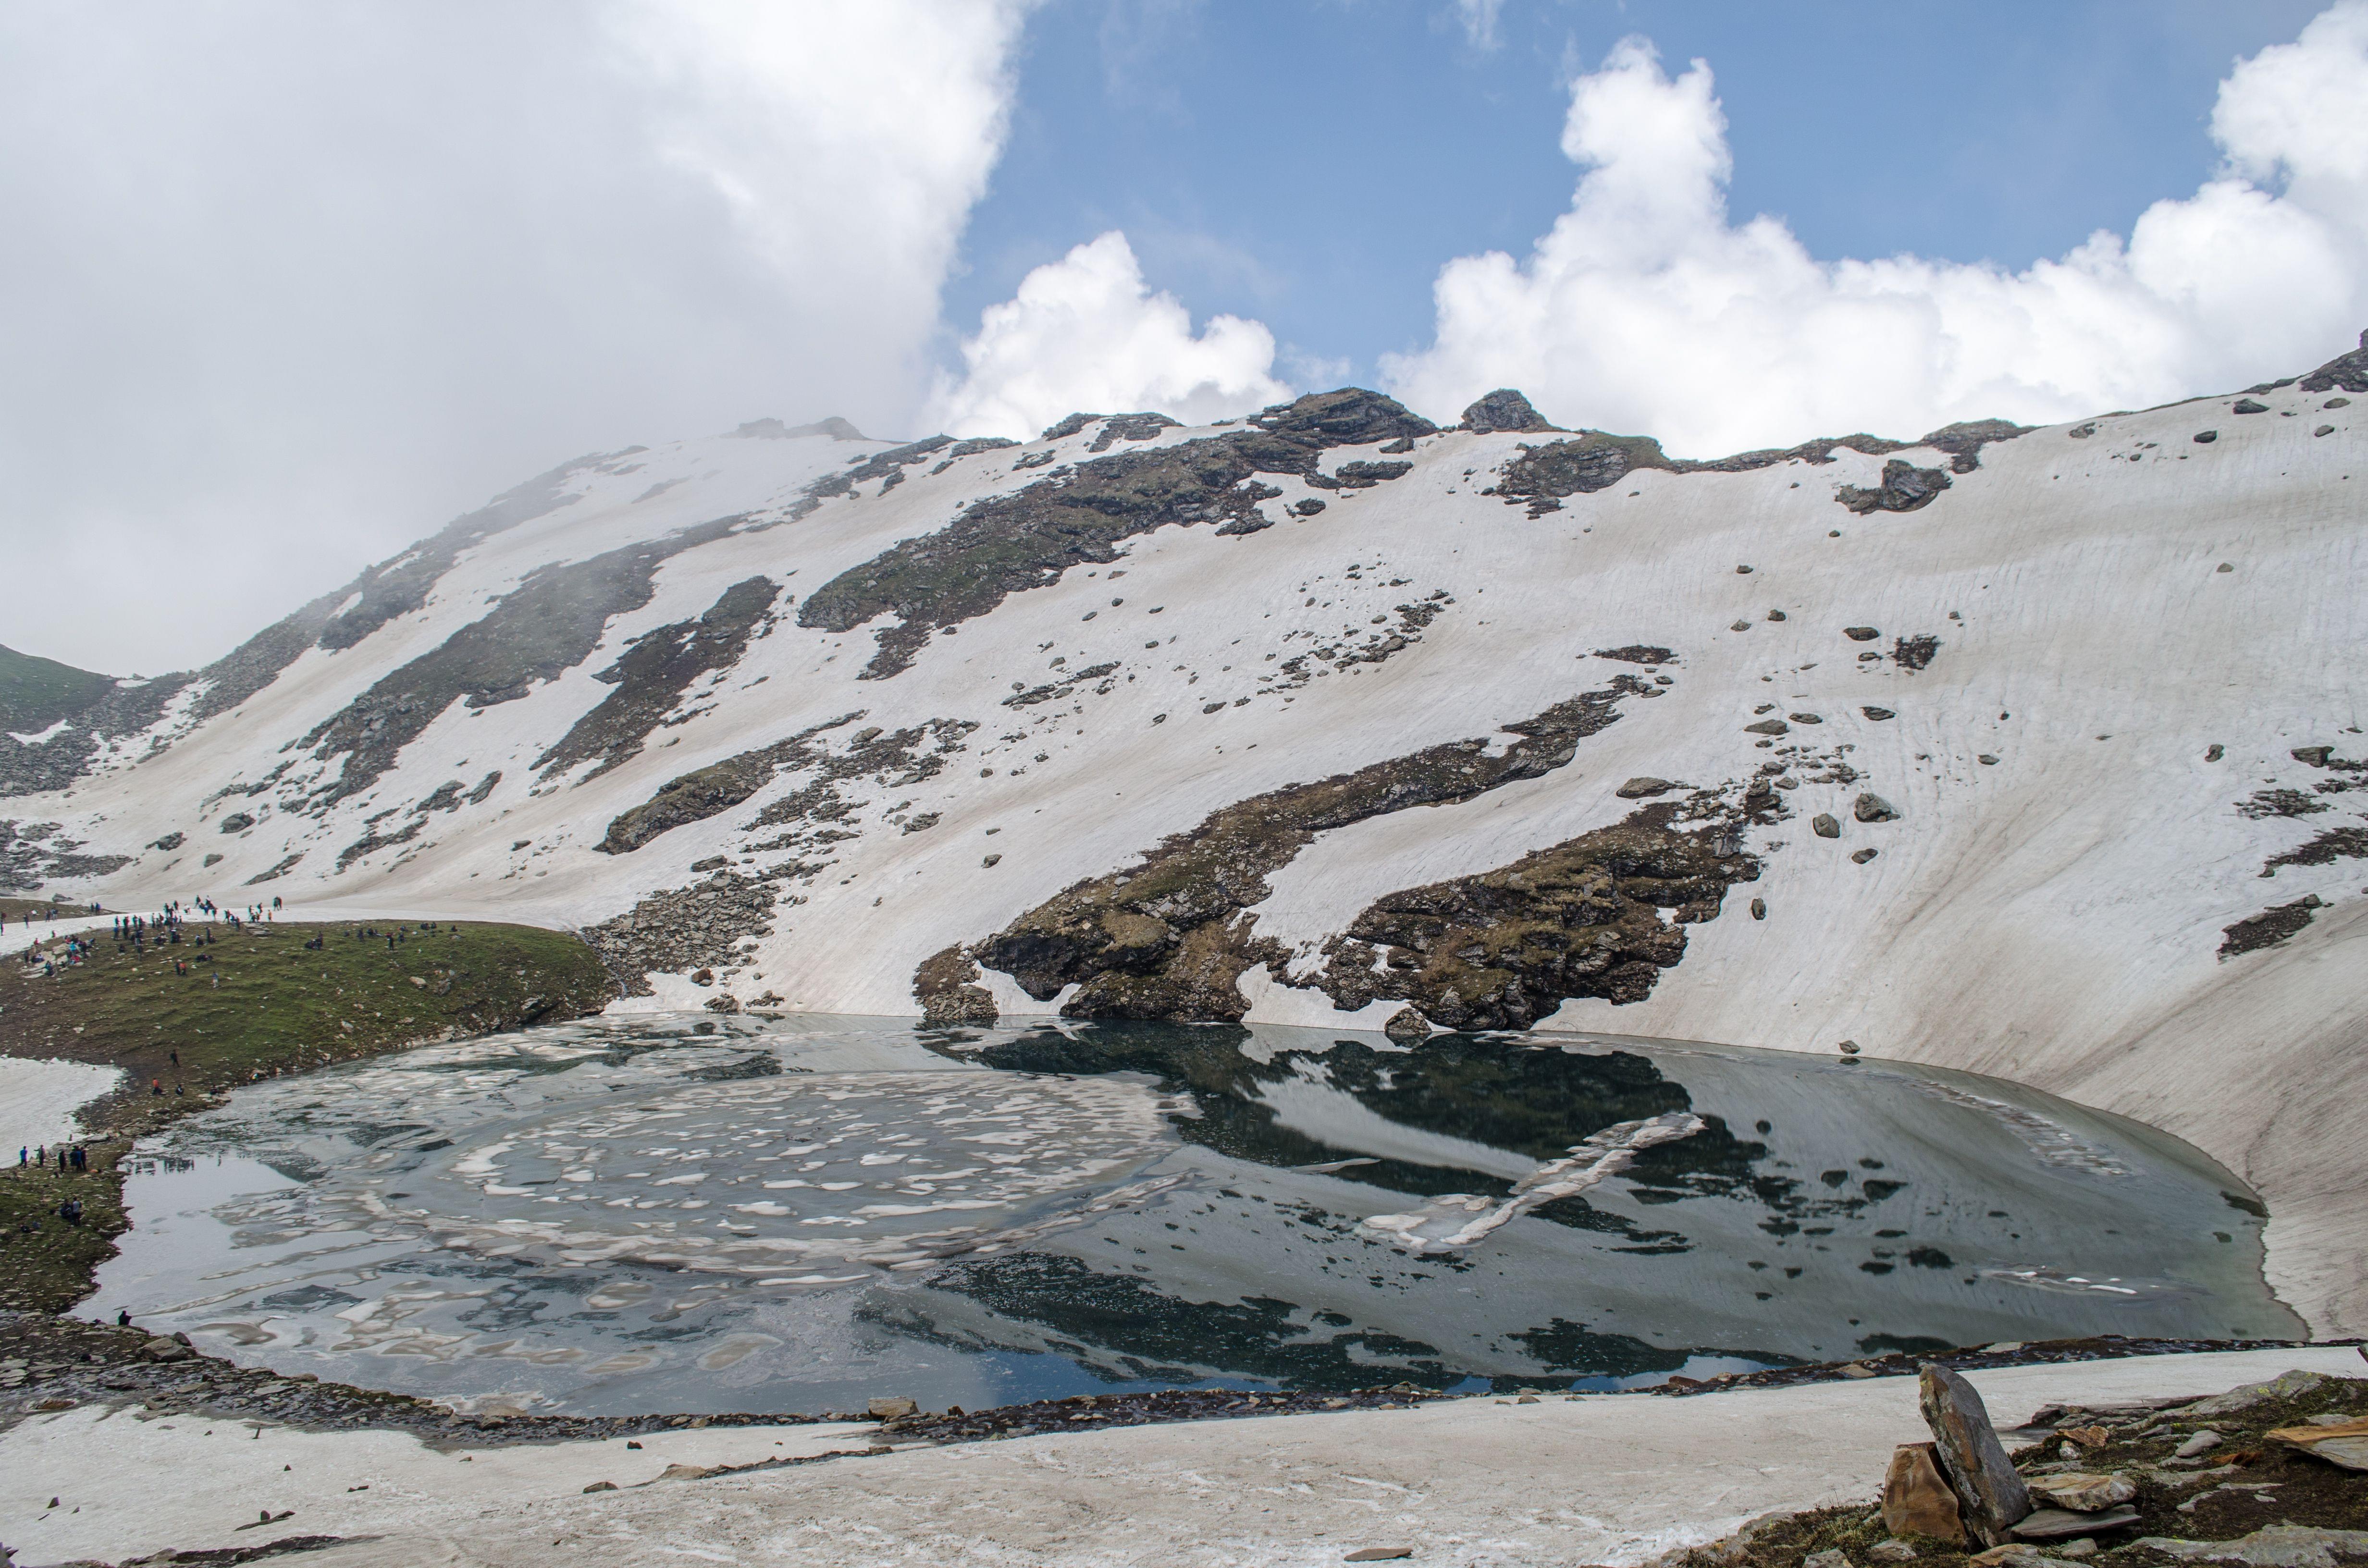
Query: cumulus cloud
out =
(1646, 309)
(1086, 333)
(291, 281)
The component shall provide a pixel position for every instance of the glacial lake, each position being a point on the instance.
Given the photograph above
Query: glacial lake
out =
(682, 1213)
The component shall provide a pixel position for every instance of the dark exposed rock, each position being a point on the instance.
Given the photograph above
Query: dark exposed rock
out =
(698, 795)
(1914, 653)
(946, 985)
(1991, 1498)
(1861, 856)
(1875, 808)
(2347, 372)
(170, 842)
(2205, 437)
(1588, 462)
(1768, 727)
(1506, 947)
(651, 677)
(1130, 427)
(546, 626)
(1504, 409)
(1824, 827)
(1638, 653)
(1964, 441)
(1878, 714)
(1102, 677)
(1861, 633)
(1365, 475)
(1005, 544)
(2281, 803)
(1308, 508)
(237, 821)
(1904, 488)
(2335, 844)
(1165, 938)
(1760, 909)
(1641, 788)
(1407, 1027)
(2247, 405)
(680, 930)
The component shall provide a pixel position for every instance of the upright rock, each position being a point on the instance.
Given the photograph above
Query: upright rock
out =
(1991, 1498)
(1916, 1499)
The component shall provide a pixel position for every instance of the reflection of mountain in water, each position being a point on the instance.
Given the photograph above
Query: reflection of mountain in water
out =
(1767, 1244)
(633, 1214)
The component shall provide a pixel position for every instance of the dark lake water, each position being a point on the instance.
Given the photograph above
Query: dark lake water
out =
(680, 1214)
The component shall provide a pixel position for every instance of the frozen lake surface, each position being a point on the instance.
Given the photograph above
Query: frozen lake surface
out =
(682, 1213)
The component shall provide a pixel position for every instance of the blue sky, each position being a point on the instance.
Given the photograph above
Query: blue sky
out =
(1312, 163)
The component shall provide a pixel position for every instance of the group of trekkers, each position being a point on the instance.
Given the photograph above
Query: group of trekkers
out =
(69, 1157)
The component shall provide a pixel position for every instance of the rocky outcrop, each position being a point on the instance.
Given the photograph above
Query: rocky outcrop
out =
(1504, 949)
(681, 930)
(652, 673)
(1006, 544)
(1904, 488)
(1503, 409)
(1167, 939)
(546, 626)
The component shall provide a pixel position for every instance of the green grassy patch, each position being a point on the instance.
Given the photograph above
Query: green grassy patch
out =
(225, 1006)
(35, 692)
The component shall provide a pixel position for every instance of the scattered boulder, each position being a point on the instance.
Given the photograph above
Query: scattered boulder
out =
(1407, 1026)
(2205, 437)
(2059, 1523)
(2324, 430)
(2082, 1492)
(1768, 727)
(1806, 718)
(888, 1407)
(237, 821)
(1829, 1558)
(2203, 1442)
(601, 1486)
(1878, 714)
(1861, 856)
(2341, 1442)
(1741, 626)
(2314, 757)
(1991, 1498)
(1644, 787)
(1861, 633)
(1824, 825)
(2271, 1546)
(1892, 1551)
(1916, 1499)
(686, 1472)
(2247, 405)
(1875, 808)
(1760, 909)
(2285, 1385)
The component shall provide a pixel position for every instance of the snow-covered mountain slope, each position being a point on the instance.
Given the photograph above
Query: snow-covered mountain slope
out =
(2030, 753)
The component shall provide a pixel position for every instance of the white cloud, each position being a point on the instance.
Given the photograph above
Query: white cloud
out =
(1646, 309)
(289, 283)
(1086, 333)
(1479, 20)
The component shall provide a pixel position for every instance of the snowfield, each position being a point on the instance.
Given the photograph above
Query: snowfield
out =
(2101, 690)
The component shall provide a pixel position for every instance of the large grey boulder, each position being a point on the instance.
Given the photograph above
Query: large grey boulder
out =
(1991, 1498)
